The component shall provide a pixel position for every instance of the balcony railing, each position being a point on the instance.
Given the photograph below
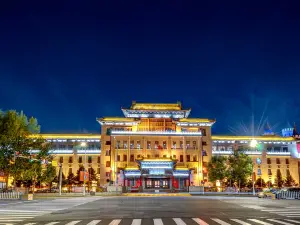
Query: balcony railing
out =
(156, 133)
(278, 153)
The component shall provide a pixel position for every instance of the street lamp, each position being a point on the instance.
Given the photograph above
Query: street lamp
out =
(83, 145)
(253, 144)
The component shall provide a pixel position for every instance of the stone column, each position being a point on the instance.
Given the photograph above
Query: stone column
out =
(128, 151)
(184, 151)
(169, 145)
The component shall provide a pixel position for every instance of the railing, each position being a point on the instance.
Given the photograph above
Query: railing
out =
(288, 195)
(163, 133)
(11, 195)
(278, 153)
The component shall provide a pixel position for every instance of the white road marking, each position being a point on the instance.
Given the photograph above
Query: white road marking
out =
(240, 222)
(11, 210)
(73, 222)
(10, 220)
(281, 222)
(52, 223)
(19, 217)
(158, 222)
(220, 221)
(293, 221)
(179, 221)
(115, 222)
(136, 222)
(199, 221)
(259, 221)
(29, 223)
(93, 222)
(296, 216)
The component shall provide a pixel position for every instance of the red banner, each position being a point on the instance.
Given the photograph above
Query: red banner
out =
(82, 176)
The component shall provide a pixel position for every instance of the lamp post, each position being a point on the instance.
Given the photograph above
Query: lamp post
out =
(83, 145)
(253, 145)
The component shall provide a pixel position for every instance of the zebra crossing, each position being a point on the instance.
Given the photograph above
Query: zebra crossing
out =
(173, 221)
(287, 211)
(19, 215)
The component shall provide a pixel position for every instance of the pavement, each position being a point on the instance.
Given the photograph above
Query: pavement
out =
(157, 210)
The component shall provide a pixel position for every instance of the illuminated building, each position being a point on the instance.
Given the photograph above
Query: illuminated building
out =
(155, 146)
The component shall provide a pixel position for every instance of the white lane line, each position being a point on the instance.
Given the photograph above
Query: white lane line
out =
(10, 220)
(9, 210)
(259, 221)
(293, 221)
(296, 216)
(29, 223)
(240, 222)
(158, 222)
(220, 221)
(136, 222)
(52, 223)
(16, 217)
(199, 221)
(179, 221)
(73, 222)
(281, 222)
(115, 222)
(280, 210)
(93, 222)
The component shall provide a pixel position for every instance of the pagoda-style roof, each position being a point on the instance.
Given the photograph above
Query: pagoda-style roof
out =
(117, 121)
(156, 106)
(195, 122)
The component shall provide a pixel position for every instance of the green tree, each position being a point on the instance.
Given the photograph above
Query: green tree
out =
(260, 182)
(279, 181)
(289, 181)
(18, 136)
(71, 180)
(217, 168)
(240, 167)
(269, 184)
(92, 177)
(48, 175)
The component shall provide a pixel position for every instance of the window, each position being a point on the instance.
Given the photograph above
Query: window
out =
(118, 145)
(194, 144)
(98, 170)
(277, 149)
(181, 158)
(107, 174)
(188, 145)
(164, 145)
(90, 159)
(148, 156)
(118, 158)
(277, 160)
(269, 172)
(107, 153)
(148, 144)
(131, 144)
(80, 159)
(164, 156)
(268, 160)
(174, 156)
(138, 144)
(91, 146)
(99, 159)
(174, 145)
(188, 158)
(61, 159)
(156, 156)
(156, 143)
(285, 149)
(131, 158)
(287, 161)
(125, 158)
(107, 163)
(203, 132)
(70, 147)
(62, 146)
(125, 144)
(70, 170)
(181, 144)
(70, 159)
(195, 158)
(204, 143)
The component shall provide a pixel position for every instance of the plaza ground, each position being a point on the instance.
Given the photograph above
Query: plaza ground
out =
(222, 210)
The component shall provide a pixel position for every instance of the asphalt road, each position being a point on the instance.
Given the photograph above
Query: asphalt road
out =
(162, 210)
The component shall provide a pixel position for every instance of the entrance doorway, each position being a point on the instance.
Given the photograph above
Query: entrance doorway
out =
(157, 183)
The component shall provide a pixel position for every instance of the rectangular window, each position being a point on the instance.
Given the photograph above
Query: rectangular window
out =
(61, 159)
(156, 156)
(62, 146)
(268, 160)
(195, 158)
(90, 159)
(80, 159)
(277, 149)
(188, 158)
(131, 158)
(164, 145)
(91, 146)
(174, 156)
(148, 144)
(203, 132)
(156, 143)
(269, 172)
(99, 159)
(287, 161)
(118, 158)
(107, 153)
(164, 156)
(285, 149)
(118, 144)
(125, 158)
(70, 170)
(174, 145)
(70, 159)
(277, 160)
(188, 145)
(181, 144)
(138, 144)
(194, 144)
(98, 170)
(131, 144)
(204, 143)
(70, 147)
(107, 163)
(181, 158)
(125, 144)
(107, 174)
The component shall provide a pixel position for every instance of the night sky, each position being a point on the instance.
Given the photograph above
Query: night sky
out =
(67, 63)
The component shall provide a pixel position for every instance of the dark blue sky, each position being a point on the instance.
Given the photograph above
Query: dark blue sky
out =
(67, 63)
